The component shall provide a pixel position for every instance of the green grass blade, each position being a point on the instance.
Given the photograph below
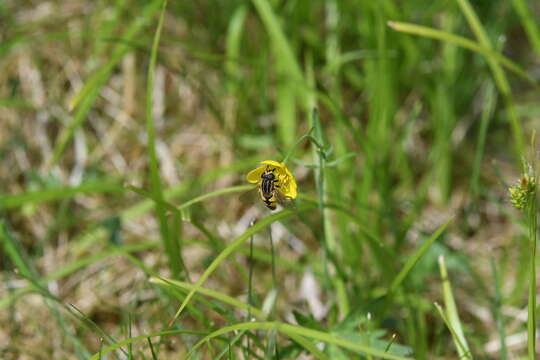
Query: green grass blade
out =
(451, 313)
(288, 329)
(309, 346)
(428, 32)
(170, 244)
(86, 97)
(455, 337)
(132, 340)
(171, 207)
(529, 23)
(11, 248)
(414, 258)
(490, 101)
(498, 74)
(76, 265)
(233, 46)
(40, 196)
(290, 78)
(21, 261)
(232, 247)
(210, 293)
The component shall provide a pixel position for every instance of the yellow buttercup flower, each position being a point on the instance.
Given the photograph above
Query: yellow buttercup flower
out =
(281, 178)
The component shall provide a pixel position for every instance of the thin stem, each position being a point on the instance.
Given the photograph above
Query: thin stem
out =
(531, 323)
(250, 287)
(293, 148)
(274, 286)
(274, 281)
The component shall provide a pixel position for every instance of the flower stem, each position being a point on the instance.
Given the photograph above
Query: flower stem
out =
(531, 324)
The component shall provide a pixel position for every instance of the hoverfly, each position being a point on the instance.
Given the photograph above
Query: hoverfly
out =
(268, 188)
(275, 183)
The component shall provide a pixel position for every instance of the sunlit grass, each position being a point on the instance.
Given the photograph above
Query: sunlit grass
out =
(128, 229)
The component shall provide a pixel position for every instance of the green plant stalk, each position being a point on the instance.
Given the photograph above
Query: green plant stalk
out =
(531, 320)
(451, 315)
(170, 244)
(329, 242)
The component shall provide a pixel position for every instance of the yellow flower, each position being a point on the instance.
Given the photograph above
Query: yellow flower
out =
(286, 180)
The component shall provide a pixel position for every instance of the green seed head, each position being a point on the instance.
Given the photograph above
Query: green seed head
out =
(523, 191)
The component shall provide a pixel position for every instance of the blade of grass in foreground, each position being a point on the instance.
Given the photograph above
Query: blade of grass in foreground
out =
(22, 263)
(451, 315)
(118, 345)
(239, 305)
(232, 247)
(288, 329)
(170, 244)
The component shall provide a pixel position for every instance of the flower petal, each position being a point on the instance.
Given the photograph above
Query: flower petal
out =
(290, 188)
(276, 164)
(254, 176)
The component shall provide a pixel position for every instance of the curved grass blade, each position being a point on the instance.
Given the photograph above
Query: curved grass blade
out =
(239, 305)
(463, 42)
(416, 257)
(232, 247)
(174, 208)
(288, 330)
(451, 314)
(211, 293)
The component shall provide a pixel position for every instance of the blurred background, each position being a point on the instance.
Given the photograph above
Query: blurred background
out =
(415, 126)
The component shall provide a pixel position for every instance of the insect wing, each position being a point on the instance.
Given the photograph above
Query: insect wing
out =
(285, 201)
(250, 197)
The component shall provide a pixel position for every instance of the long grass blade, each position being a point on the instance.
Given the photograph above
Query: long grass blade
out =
(288, 329)
(170, 244)
(451, 314)
(463, 42)
(232, 247)
(498, 74)
(415, 257)
(59, 193)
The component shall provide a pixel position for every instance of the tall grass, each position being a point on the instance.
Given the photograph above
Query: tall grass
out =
(127, 130)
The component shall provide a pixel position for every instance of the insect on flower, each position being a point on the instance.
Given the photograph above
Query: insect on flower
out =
(274, 181)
